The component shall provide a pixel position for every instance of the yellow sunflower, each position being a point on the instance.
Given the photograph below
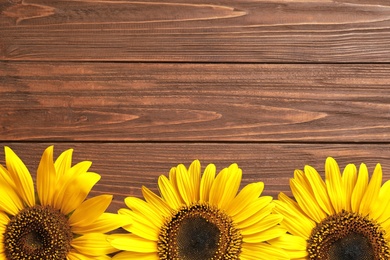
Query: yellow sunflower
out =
(55, 222)
(347, 216)
(200, 217)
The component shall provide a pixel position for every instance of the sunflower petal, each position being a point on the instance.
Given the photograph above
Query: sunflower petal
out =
(104, 223)
(46, 178)
(265, 235)
(135, 256)
(252, 208)
(349, 181)
(63, 163)
(90, 210)
(207, 182)
(69, 178)
(319, 189)
(156, 201)
(21, 177)
(296, 223)
(184, 184)
(168, 192)
(381, 207)
(231, 186)
(73, 255)
(360, 187)
(217, 189)
(93, 244)
(294, 246)
(262, 251)
(246, 196)
(145, 209)
(130, 242)
(372, 192)
(267, 222)
(76, 191)
(334, 184)
(195, 171)
(306, 201)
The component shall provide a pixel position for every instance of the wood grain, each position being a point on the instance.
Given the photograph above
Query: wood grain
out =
(314, 31)
(126, 167)
(194, 102)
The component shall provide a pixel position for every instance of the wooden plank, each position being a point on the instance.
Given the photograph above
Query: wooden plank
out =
(126, 167)
(194, 102)
(196, 31)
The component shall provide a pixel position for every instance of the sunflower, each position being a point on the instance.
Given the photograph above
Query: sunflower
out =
(55, 221)
(200, 217)
(347, 216)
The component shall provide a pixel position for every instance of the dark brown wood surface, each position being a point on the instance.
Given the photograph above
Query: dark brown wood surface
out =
(140, 86)
(202, 30)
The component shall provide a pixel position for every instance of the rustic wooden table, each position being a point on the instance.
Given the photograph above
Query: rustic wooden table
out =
(140, 86)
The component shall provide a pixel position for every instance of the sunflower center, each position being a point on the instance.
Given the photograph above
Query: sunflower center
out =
(39, 232)
(346, 236)
(199, 232)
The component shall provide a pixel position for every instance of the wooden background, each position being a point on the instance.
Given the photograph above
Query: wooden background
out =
(140, 86)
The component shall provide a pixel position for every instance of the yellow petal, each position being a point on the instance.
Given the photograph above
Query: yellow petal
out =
(21, 177)
(295, 222)
(63, 163)
(231, 186)
(300, 177)
(9, 202)
(252, 208)
(334, 184)
(291, 205)
(168, 192)
(140, 225)
(349, 181)
(79, 168)
(381, 207)
(360, 188)
(184, 184)
(262, 251)
(289, 242)
(256, 217)
(90, 210)
(46, 178)
(207, 182)
(195, 170)
(5, 178)
(73, 255)
(4, 219)
(76, 191)
(145, 209)
(246, 196)
(266, 223)
(265, 235)
(319, 189)
(307, 202)
(69, 178)
(217, 189)
(135, 256)
(294, 246)
(138, 217)
(105, 223)
(372, 192)
(93, 244)
(156, 201)
(130, 242)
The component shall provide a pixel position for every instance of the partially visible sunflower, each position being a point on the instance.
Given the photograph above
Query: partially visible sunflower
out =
(347, 216)
(200, 218)
(55, 222)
